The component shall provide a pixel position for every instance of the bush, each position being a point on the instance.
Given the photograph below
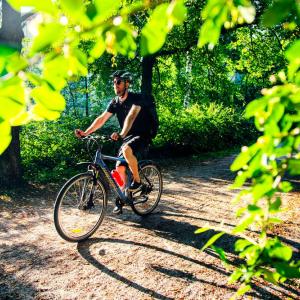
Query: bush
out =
(50, 151)
(202, 128)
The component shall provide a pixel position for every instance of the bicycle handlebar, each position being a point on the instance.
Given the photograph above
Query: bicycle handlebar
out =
(95, 139)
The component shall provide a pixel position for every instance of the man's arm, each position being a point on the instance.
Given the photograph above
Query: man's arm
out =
(98, 123)
(134, 111)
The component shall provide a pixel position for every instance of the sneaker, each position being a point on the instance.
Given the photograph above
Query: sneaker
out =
(135, 187)
(118, 208)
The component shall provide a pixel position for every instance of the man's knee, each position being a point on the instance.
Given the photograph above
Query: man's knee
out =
(127, 150)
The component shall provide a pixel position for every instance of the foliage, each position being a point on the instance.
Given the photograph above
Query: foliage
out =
(50, 150)
(202, 128)
(265, 164)
(58, 30)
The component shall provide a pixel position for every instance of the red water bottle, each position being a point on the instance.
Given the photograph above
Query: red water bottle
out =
(117, 177)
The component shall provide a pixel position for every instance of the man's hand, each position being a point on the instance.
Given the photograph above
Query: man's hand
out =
(115, 136)
(80, 133)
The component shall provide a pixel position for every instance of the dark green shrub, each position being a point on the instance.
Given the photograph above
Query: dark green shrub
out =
(202, 128)
(50, 150)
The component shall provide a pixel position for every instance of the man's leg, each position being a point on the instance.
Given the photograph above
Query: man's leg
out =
(118, 207)
(122, 171)
(132, 162)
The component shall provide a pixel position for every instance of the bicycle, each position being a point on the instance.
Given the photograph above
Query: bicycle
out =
(81, 203)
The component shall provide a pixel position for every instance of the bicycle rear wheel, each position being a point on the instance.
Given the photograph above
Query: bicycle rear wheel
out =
(80, 207)
(152, 183)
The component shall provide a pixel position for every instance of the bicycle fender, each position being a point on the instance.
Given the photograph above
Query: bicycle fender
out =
(143, 163)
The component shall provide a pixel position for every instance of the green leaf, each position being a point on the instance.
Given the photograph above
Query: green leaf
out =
(154, 33)
(216, 14)
(98, 48)
(212, 240)
(49, 34)
(256, 106)
(39, 112)
(294, 166)
(177, 12)
(38, 5)
(12, 97)
(16, 63)
(21, 118)
(275, 249)
(73, 8)
(281, 252)
(275, 220)
(295, 99)
(244, 224)
(6, 50)
(272, 277)
(244, 288)
(221, 253)
(91, 11)
(42, 95)
(209, 34)
(240, 211)
(125, 43)
(251, 253)
(293, 52)
(277, 112)
(56, 70)
(5, 135)
(10, 107)
(287, 270)
(107, 8)
(254, 209)
(285, 186)
(34, 78)
(200, 230)
(241, 244)
(277, 12)
(235, 276)
(239, 180)
(244, 157)
(261, 189)
(274, 206)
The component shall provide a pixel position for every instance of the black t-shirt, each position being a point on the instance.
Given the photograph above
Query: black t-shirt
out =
(141, 125)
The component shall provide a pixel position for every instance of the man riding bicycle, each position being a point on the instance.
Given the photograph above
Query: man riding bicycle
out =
(135, 129)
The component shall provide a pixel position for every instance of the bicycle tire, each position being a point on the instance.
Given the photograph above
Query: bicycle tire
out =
(72, 221)
(150, 175)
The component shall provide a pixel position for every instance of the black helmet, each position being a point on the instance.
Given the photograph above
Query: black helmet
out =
(123, 75)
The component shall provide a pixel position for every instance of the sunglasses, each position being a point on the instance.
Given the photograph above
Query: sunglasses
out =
(118, 81)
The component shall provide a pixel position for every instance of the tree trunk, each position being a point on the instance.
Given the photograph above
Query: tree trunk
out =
(147, 73)
(86, 96)
(188, 71)
(10, 161)
(11, 30)
(73, 100)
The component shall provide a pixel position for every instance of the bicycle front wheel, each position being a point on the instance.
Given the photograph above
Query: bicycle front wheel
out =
(152, 183)
(80, 207)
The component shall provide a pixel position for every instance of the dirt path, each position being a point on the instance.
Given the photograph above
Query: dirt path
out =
(129, 257)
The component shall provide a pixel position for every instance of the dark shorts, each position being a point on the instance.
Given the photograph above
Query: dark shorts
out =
(139, 146)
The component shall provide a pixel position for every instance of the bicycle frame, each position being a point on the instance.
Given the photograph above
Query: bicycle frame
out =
(99, 161)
